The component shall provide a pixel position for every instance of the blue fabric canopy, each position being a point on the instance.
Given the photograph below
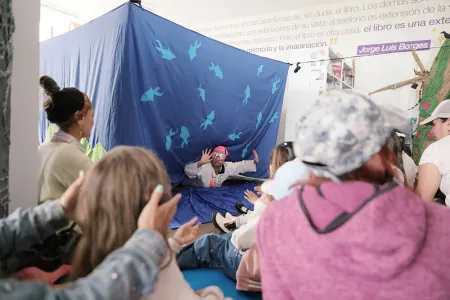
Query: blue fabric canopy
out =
(161, 86)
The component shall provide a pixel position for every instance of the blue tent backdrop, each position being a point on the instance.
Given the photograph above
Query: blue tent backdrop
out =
(161, 86)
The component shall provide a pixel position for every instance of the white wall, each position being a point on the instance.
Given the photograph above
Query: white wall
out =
(23, 161)
(300, 19)
(267, 34)
(53, 22)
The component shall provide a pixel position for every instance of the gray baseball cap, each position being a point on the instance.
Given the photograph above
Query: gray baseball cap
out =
(441, 111)
(343, 130)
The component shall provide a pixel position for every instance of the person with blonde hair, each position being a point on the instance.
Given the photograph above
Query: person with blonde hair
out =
(127, 273)
(283, 153)
(115, 192)
(224, 251)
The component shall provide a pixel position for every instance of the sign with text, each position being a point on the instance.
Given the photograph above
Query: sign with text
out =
(393, 47)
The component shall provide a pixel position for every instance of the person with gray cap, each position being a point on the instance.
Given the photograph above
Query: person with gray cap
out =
(349, 231)
(434, 165)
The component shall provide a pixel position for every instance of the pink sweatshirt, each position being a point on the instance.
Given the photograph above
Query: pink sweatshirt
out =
(395, 247)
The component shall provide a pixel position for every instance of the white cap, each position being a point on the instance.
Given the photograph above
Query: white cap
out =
(441, 111)
(288, 174)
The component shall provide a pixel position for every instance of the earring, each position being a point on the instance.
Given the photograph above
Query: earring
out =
(81, 132)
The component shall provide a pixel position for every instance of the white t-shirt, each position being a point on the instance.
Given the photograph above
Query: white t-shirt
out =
(438, 154)
(244, 237)
(208, 176)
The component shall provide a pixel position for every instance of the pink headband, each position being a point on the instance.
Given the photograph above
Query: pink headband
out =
(222, 150)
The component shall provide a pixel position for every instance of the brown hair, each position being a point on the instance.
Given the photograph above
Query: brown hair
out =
(282, 153)
(111, 199)
(64, 106)
(395, 144)
(367, 174)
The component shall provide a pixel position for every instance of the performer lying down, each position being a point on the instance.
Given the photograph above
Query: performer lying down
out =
(212, 170)
(224, 252)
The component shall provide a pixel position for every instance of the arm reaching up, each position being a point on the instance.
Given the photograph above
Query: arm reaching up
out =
(243, 166)
(193, 170)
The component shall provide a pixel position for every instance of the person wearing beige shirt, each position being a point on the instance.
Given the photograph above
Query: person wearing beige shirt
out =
(63, 157)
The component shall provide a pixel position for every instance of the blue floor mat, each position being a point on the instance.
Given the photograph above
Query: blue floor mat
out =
(202, 202)
(201, 278)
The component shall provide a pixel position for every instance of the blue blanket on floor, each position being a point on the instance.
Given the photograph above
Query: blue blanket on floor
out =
(202, 202)
(202, 278)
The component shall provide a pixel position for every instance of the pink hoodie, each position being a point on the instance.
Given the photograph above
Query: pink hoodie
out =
(395, 247)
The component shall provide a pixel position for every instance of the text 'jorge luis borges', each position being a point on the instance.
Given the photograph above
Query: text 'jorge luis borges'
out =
(393, 47)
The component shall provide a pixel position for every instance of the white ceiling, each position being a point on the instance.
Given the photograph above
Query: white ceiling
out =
(182, 11)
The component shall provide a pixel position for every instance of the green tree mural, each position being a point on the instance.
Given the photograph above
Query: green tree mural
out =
(437, 90)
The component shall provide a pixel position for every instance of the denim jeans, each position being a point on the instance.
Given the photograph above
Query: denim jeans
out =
(212, 251)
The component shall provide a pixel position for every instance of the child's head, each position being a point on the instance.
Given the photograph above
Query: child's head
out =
(219, 155)
(69, 108)
(111, 199)
(285, 170)
(282, 153)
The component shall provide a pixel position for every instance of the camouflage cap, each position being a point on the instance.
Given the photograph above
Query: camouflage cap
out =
(343, 130)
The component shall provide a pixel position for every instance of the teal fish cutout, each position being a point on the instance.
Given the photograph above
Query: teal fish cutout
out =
(208, 121)
(260, 69)
(184, 135)
(193, 49)
(258, 121)
(247, 95)
(234, 136)
(151, 93)
(202, 93)
(169, 139)
(166, 53)
(275, 85)
(244, 152)
(274, 117)
(217, 70)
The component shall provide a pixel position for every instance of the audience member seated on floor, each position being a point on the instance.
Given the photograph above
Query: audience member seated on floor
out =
(129, 271)
(63, 157)
(434, 166)
(409, 165)
(227, 223)
(351, 232)
(394, 144)
(224, 252)
(115, 192)
(212, 169)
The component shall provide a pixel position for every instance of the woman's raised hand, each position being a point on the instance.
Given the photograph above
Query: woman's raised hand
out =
(156, 216)
(188, 232)
(206, 157)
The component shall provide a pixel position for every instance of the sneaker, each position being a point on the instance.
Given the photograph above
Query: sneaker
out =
(241, 208)
(223, 224)
(230, 217)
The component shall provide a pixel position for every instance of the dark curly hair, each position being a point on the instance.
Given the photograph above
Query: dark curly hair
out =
(63, 104)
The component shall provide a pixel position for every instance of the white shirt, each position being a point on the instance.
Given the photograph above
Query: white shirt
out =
(208, 176)
(244, 237)
(438, 154)
(410, 169)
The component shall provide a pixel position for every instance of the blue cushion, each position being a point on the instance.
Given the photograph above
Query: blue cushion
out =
(201, 278)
